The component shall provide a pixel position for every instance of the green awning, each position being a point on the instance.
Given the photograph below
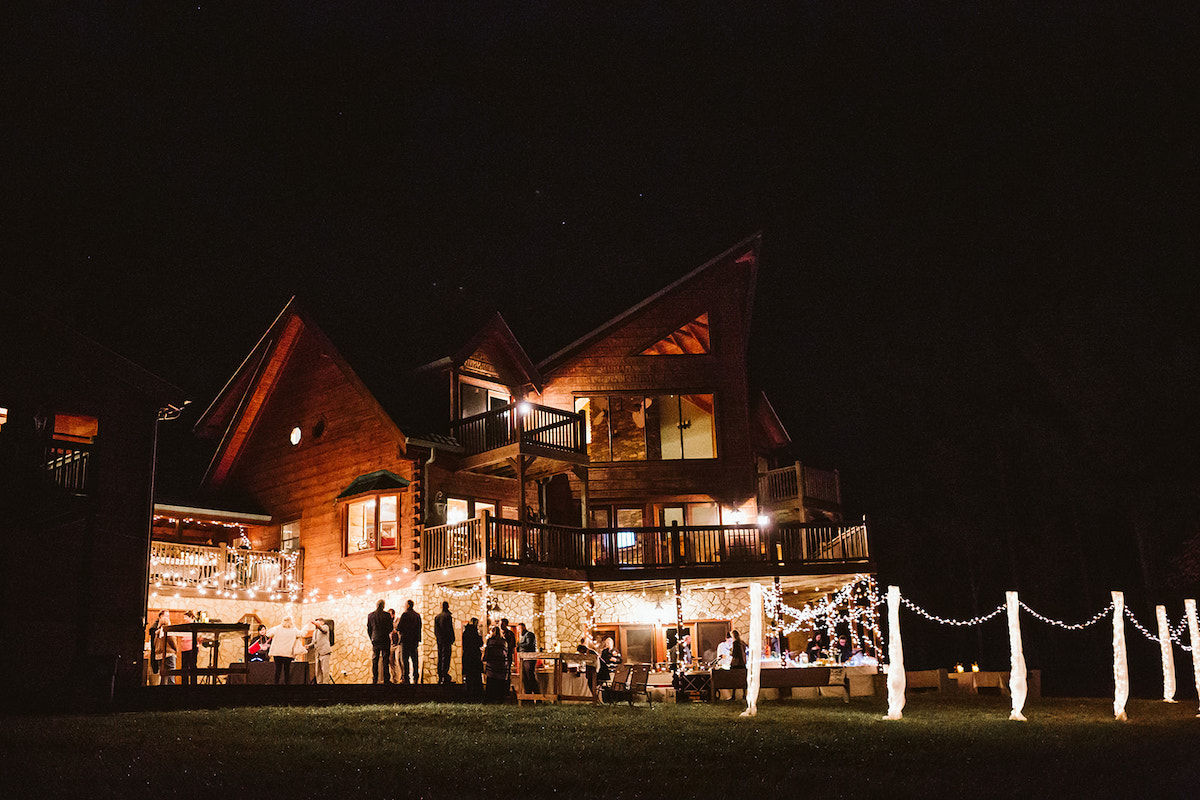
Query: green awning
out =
(379, 481)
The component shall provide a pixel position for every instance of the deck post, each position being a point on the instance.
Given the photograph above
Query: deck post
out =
(524, 512)
(678, 625)
(591, 616)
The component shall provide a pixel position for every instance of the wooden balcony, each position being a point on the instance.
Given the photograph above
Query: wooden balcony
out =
(203, 569)
(609, 554)
(797, 486)
(66, 466)
(492, 441)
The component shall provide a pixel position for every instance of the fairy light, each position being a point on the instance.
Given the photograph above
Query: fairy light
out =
(1017, 683)
(895, 669)
(1078, 626)
(961, 623)
(1120, 658)
(1168, 657)
(1189, 613)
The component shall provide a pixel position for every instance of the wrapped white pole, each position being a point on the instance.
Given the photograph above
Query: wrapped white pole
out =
(1120, 659)
(1018, 686)
(754, 644)
(1168, 657)
(895, 669)
(1189, 607)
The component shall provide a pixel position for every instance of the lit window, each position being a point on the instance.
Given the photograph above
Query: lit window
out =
(667, 427)
(372, 523)
(457, 510)
(3, 416)
(690, 339)
(294, 438)
(289, 537)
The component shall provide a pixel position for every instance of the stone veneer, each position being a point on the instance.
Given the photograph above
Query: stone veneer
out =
(558, 620)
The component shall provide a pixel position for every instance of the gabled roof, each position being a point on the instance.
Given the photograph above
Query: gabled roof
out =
(235, 411)
(35, 340)
(745, 251)
(494, 333)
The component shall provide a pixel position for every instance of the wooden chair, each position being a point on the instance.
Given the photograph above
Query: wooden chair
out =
(636, 682)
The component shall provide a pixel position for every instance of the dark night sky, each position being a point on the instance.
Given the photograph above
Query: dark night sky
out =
(979, 219)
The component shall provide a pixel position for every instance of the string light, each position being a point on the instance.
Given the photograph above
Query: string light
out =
(961, 623)
(1099, 615)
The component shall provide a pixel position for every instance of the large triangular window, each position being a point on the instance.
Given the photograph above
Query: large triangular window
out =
(687, 340)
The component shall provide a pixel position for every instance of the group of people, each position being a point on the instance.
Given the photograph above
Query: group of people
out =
(282, 643)
(495, 657)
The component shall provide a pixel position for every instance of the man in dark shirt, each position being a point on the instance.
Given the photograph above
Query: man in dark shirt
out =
(472, 659)
(443, 632)
(379, 628)
(510, 642)
(527, 643)
(410, 641)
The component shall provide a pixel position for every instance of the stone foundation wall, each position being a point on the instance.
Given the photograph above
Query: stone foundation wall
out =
(560, 621)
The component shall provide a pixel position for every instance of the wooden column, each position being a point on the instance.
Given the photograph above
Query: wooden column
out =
(678, 627)
(524, 515)
(584, 495)
(591, 618)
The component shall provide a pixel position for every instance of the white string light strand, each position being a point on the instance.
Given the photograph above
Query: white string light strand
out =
(1078, 626)
(961, 623)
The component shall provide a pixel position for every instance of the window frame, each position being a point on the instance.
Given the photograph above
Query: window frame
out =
(376, 497)
(677, 395)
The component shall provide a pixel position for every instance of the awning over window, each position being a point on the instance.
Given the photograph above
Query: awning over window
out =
(379, 481)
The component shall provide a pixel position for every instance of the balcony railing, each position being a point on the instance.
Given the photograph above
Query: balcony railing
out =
(527, 423)
(222, 568)
(506, 542)
(67, 466)
(798, 482)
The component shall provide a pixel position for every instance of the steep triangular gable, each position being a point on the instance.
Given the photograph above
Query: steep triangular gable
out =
(236, 410)
(744, 253)
(689, 339)
(493, 351)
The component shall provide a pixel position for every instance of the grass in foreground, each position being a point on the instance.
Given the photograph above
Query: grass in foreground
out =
(942, 748)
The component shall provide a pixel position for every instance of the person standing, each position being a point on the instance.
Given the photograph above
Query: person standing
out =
(321, 649)
(472, 659)
(527, 643)
(510, 643)
(379, 628)
(737, 652)
(443, 632)
(609, 658)
(410, 643)
(165, 650)
(283, 647)
(187, 651)
(495, 661)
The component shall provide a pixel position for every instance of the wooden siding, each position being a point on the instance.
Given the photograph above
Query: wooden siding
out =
(611, 365)
(302, 482)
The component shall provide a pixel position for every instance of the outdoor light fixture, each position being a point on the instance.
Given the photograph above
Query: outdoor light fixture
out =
(524, 408)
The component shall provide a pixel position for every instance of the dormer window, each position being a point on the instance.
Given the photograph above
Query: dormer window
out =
(372, 524)
(370, 515)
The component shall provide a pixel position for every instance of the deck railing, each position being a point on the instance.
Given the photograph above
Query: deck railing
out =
(223, 568)
(797, 482)
(550, 428)
(67, 466)
(507, 542)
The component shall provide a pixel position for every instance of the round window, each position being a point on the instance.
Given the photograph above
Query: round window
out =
(295, 437)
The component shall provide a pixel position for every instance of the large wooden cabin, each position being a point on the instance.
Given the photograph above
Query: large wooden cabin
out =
(625, 484)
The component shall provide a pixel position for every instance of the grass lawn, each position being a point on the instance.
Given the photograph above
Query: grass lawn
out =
(944, 747)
